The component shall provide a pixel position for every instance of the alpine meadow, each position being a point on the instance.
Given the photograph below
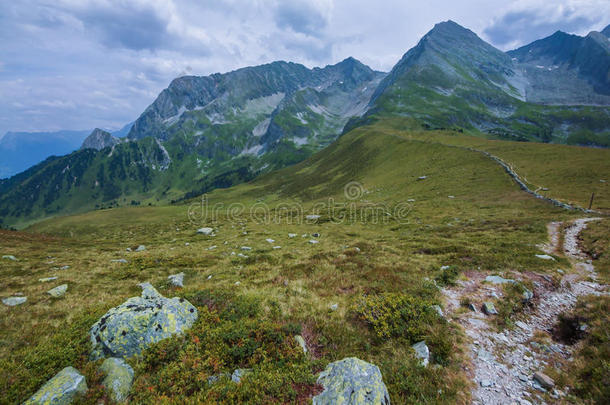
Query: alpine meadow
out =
(438, 233)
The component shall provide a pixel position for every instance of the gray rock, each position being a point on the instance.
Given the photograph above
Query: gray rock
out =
(527, 294)
(47, 279)
(544, 380)
(352, 381)
(472, 307)
(270, 240)
(422, 352)
(246, 248)
(58, 291)
(176, 279)
(205, 231)
(489, 308)
(545, 257)
(119, 377)
(486, 383)
(10, 257)
(131, 327)
(422, 177)
(118, 261)
(61, 389)
(334, 307)
(301, 343)
(438, 310)
(239, 374)
(292, 235)
(140, 248)
(213, 379)
(312, 217)
(498, 280)
(14, 301)
(313, 241)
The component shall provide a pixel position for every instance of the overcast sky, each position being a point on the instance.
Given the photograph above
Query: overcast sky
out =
(79, 64)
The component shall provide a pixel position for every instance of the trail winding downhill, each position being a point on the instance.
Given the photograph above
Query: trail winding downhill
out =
(503, 363)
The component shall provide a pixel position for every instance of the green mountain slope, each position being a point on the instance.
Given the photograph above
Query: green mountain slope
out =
(453, 79)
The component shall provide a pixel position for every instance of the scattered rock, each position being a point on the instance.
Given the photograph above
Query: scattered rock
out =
(292, 235)
(445, 268)
(313, 241)
(544, 380)
(119, 377)
(66, 267)
(472, 307)
(239, 374)
(128, 249)
(451, 196)
(498, 280)
(352, 381)
(277, 247)
(422, 177)
(545, 257)
(118, 261)
(486, 383)
(14, 301)
(61, 389)
(176, 279)
(213, 247)
(301, 343)
(10, 257)
(489, 308)
(58, 291)
(334, 307)
(128, 329)
(141, 248)
(422, 352)
(205, 231)
(312, 217)
(47, 279)
(214, 378)
(270, 240)
(246, 248)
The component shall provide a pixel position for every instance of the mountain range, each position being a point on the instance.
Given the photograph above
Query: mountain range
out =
(207, 132)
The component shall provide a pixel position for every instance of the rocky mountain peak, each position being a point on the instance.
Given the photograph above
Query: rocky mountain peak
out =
(99, 139)
(606, 31)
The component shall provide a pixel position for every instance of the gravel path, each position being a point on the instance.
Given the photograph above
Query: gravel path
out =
(503, 363)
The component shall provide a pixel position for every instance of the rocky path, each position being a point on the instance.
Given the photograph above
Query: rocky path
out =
(504, 364)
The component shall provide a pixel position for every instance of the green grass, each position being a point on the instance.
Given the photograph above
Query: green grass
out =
(489, 225)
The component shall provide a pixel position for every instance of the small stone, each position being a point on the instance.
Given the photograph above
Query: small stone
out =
(486, 383)
(523, 326)
(334, 307)
(489, 308)
(118, 261)
(214, 378)
(47, 279)
(445, 267)
(186, 244)
(10, 257)
(422, 352)
(527, 294)
(61, 389)
(239, 374)
(209, 277)
(545, 257)
(560, 271)
(205, 231)
(14, 301)
(544, 380)
(523, 378)
(119, 377)
(270, 240)
(292, 235)
(141, 248)
(451, 196)
(212, 247)
(246, 248)
(66, 267)
(498, 280)
(301, 343)
(237, 283)
(472, 307)
(176, 280)
(277, 247)
(313, 241)
(312, 217)
(58, 291)
(438, 310)
(128, 249)
(422, 177)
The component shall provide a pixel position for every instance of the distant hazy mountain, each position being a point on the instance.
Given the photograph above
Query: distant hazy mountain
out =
(20, 150)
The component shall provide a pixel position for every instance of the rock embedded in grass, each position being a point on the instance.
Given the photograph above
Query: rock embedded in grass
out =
(131, 327)
(299, 339)
(422, 352)
(545, 257)
(47, 279)
(140, 248)
(489, 308)
(205, 231)
(239, 374)
(14, 301)
(544, 380)
(61, 389)
(313, 241)
(498, 280)
(352, 381)
(176, 280)
(10, 257)
(58, 291)
(119, 378)
(118, 261)
(292, 235)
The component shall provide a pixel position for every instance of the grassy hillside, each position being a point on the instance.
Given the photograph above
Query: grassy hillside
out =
(382, 241)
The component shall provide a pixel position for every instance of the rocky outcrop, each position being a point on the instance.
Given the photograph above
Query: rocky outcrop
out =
(61, 389)
(99, 139)
(131, 327)
(352, 381)
(119, 377)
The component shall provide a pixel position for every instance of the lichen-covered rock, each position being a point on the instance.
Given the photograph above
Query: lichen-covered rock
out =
(131, 327)
(60, 389)
(422, 352)
(119, 377)
(352, 381)
(176, 280)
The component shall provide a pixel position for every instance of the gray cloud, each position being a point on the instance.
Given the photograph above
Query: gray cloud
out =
(301, 16)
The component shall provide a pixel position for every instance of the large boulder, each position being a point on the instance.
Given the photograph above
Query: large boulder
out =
(119, 377)
(352, 381)
(131, 327)
(61, 389)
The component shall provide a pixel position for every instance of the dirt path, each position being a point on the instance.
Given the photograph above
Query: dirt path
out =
(503, 363)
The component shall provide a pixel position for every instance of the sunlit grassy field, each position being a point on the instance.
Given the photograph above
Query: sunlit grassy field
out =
(385, 237)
